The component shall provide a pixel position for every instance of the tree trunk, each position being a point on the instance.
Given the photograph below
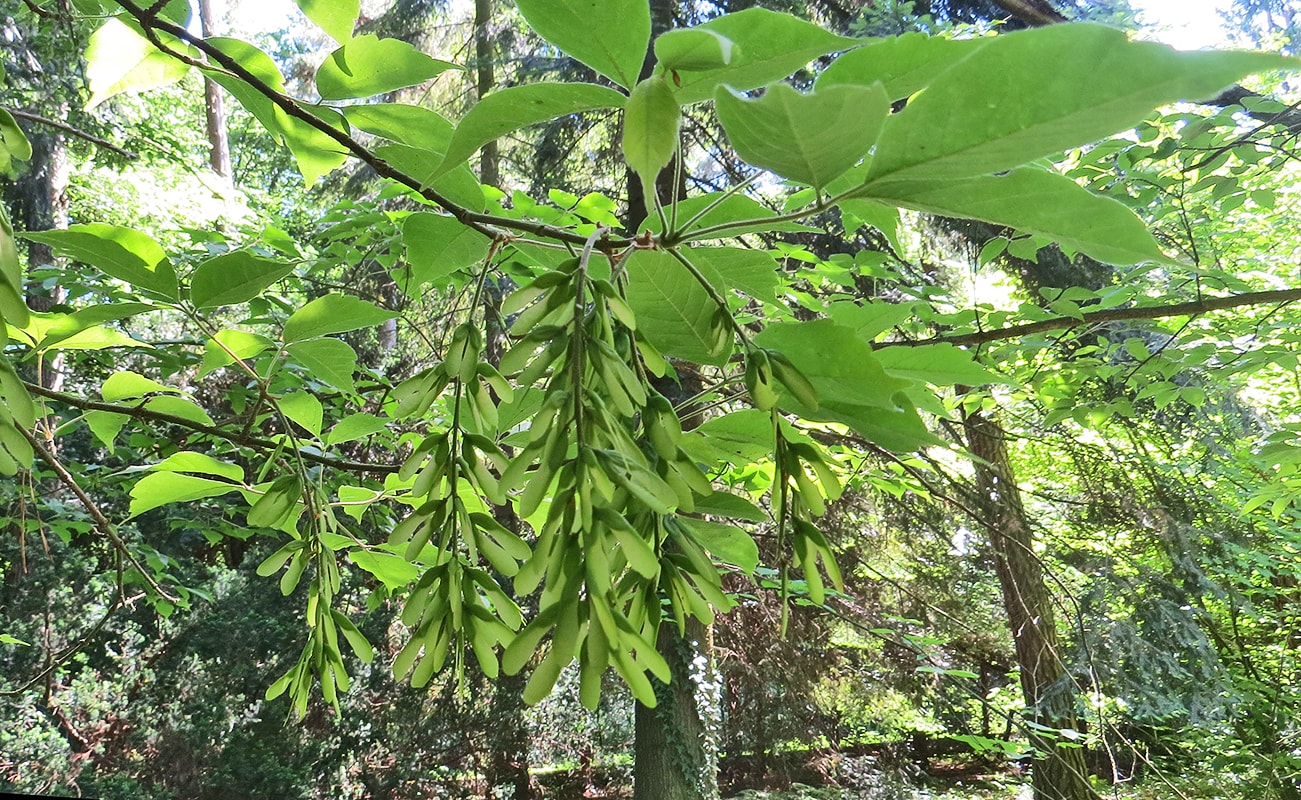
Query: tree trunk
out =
(676, 742)
(214, 105)
(1059, 772)
(675, 751)
(485, 80)
(42, 201)
(507, 776)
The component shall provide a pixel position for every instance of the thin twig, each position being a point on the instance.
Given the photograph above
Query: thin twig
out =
(1191, 308)
(487, 224)
(97, 516)
(66, 128)
(140, 412)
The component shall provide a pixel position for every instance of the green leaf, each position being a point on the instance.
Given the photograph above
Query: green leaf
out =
(13, 142)
(217, 351)
(13, 306)
(810, 138)
(240, 344)
(871, 318)
(15, 451)
(160, 488)
(121, 253)
(355, 426)
(1034, 201)
(335, 17)
(124, 385)
(769, 46)
(650, 128)
(315, 152)
(610, 36)
(369, 65)
(94, 337)
(422, 137)
(693, 50)
(304, 409)
(235, 277)
(274, 508)
(723, 504)
(727, 543)
(851, 386)
(1034, 93)
(356, 499)
(120, 59)
(510, 109)
(753, 272)
(189, 461)
(903, 64)
(105, 425)
(460, 185)
(333, 313)
(70, 324)
(393, 571)
(331, 360)
(740, 437)
(673, 310)
(841, 366)
(14, 396)
(416, 126)
(936, 364)
(882, 216)
(438, 245)
(181, 407)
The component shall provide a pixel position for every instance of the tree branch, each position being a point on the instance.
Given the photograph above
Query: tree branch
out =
(97, 516)
(1190, 308)
(1035, 13)
(66, 128)
(256, 442)
(487, 224)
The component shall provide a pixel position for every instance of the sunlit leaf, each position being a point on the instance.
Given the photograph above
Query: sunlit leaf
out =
(333, 313)
(235, 277)
(120, 59)
(335, 17)
(769, 46)
(610, 36)
(369, 65)
(1006, 107)
(810, 138)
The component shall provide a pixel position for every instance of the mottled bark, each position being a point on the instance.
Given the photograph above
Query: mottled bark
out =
(1059, 771)
(676, 742)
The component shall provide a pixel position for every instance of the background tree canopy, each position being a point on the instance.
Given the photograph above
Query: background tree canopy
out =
(647, 398)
